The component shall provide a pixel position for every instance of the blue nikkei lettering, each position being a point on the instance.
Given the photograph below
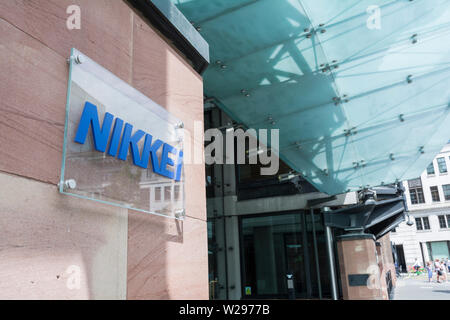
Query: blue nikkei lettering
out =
(129, 140)
(165, 160)
(115, 137)
(89, 118)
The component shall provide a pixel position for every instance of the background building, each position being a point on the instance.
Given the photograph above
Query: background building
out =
(428, 201)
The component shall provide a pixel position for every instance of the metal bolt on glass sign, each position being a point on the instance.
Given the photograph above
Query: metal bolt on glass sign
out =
(120, 147)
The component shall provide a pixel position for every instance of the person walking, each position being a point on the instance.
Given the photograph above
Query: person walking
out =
(444, 270)
(416, 266)
(444, 262)
(437, 267)
(429, 268)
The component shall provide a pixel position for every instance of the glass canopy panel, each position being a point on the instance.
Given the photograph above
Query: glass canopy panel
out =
(356, 106)
(92, 165)
(396, 79)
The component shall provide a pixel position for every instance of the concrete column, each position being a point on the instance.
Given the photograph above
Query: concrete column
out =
(426, 253)
(388, 258)
(382, 269)
(358, 262)
(330, 250)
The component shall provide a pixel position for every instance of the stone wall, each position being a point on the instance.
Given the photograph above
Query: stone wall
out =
(45, 236)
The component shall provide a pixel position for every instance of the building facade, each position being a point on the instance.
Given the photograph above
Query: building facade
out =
(54, 246)
(319, 228)
(428, 201)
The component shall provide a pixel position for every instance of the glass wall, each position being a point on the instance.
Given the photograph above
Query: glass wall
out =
(273, 246)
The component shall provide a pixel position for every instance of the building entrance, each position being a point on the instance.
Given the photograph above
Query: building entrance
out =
(400, 258)
(278, 245)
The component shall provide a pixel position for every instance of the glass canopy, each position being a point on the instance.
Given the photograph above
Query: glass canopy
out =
(359, 92)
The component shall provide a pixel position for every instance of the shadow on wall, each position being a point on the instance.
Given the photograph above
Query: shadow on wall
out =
(58, 247)
(167, 259)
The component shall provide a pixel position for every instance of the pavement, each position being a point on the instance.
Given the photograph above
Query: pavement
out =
(418, 288)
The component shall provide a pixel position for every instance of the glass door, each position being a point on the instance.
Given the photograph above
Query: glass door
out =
(296, 263)
(271, 248)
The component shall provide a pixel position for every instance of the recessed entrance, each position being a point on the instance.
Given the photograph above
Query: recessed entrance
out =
(275, 246)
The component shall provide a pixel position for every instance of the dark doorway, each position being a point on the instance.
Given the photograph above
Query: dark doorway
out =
(273, 246)
(401, 258)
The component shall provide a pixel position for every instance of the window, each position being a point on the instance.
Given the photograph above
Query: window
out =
(442, 222)
(416, 191)
(416, 195)
(446, 189)
(442, 165)
(167, 193)
(419, 225)
(158, 194)
(430, 169)
(422, 223)
(438, 249)
(435, 194)
(426, 223)
(176, 192)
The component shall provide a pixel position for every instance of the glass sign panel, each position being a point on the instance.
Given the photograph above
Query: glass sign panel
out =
(120, 147)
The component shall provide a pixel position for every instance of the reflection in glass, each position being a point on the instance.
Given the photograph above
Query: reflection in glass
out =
(103, 177)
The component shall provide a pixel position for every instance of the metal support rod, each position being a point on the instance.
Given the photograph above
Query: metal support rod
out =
(329, 236)
(316, 253)
(225, 247)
